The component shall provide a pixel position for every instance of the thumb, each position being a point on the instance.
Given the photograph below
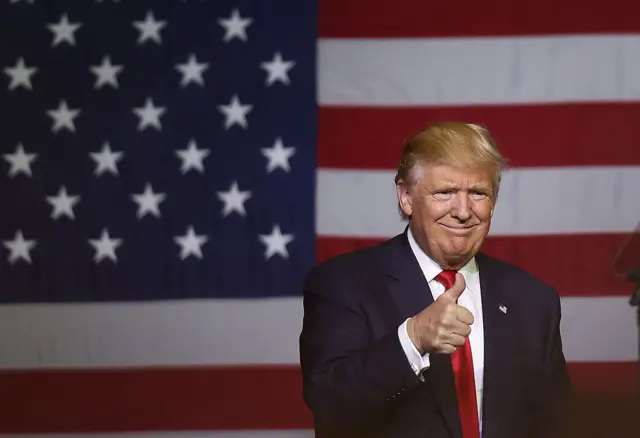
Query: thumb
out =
(456, 290)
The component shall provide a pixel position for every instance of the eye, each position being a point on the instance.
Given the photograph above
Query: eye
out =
(478, 196)
(443, 195)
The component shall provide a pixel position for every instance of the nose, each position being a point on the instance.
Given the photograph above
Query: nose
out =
(460, 207)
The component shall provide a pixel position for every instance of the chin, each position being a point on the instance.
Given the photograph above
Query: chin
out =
(461, 250)
(455, 261)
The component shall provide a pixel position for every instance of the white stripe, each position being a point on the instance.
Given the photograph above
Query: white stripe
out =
(531, 201)
(585, 324)
(235, 332)
(193, 332)
(180, 434)
(464, 71)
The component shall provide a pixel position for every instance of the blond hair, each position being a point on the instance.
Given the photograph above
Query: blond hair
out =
(463, 145)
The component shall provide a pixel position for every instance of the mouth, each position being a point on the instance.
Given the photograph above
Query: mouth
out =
(459, 229)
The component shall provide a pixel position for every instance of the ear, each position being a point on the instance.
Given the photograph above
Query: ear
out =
(404, 197)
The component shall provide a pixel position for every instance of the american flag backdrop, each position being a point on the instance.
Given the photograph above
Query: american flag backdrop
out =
(170, 169)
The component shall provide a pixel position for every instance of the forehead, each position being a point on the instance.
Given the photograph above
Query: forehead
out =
(446, 175)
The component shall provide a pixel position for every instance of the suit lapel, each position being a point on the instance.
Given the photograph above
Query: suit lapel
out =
(411, 293)
(405, 279)
(495, 327)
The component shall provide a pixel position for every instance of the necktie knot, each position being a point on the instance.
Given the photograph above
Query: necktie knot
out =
(447, 278)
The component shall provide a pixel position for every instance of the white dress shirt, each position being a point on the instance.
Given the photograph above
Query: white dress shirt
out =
(470, 299)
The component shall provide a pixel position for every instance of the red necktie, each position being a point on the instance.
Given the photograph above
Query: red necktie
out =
(463, 373)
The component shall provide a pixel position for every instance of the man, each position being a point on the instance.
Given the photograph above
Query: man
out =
(424, 335)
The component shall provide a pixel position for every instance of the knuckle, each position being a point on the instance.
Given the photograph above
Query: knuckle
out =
(450, 307)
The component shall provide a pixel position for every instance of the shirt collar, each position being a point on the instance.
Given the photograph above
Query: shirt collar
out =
(431, 269)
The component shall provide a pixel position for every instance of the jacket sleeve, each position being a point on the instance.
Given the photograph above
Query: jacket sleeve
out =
(556, 415)
(348, 377)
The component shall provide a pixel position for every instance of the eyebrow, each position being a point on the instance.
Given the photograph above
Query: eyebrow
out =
(481, 188)
(473, 188)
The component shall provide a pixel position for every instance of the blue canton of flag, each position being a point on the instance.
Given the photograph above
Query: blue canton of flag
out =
(156, 149)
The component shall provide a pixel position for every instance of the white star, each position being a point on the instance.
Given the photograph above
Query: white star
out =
(20, 161)
(235, 26)
(19, 248)
(192, 157)
(190, 243)
(235, 113)
(192, 71)
(148, 201)
(63, 204)
(276, 243)
(106, 160)
(20, 75)
(277, 69)
(64, 31)
(149, 28)
(149, 115)
(106, 73)
(63, 117)
(105, 247)
(278, 156)
(234, 200)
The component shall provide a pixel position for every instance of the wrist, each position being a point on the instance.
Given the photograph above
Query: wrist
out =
(411, 331)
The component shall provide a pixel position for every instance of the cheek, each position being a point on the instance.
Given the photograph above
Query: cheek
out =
(482, 210)
(435, 210)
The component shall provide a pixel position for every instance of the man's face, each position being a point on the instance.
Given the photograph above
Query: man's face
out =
(450, 211)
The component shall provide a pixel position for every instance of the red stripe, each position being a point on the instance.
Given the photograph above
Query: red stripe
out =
(152, 399)
(546, 135)
(606, 379)
(576, 265)
(410, 18)
(629, 258)
(193, 398)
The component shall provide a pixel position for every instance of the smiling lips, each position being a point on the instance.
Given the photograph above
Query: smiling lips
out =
(459, 228)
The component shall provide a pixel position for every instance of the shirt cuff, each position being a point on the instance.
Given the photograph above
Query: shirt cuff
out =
(418, 363)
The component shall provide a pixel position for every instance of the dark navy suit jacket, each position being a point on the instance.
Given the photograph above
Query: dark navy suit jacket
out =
(358, 382)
